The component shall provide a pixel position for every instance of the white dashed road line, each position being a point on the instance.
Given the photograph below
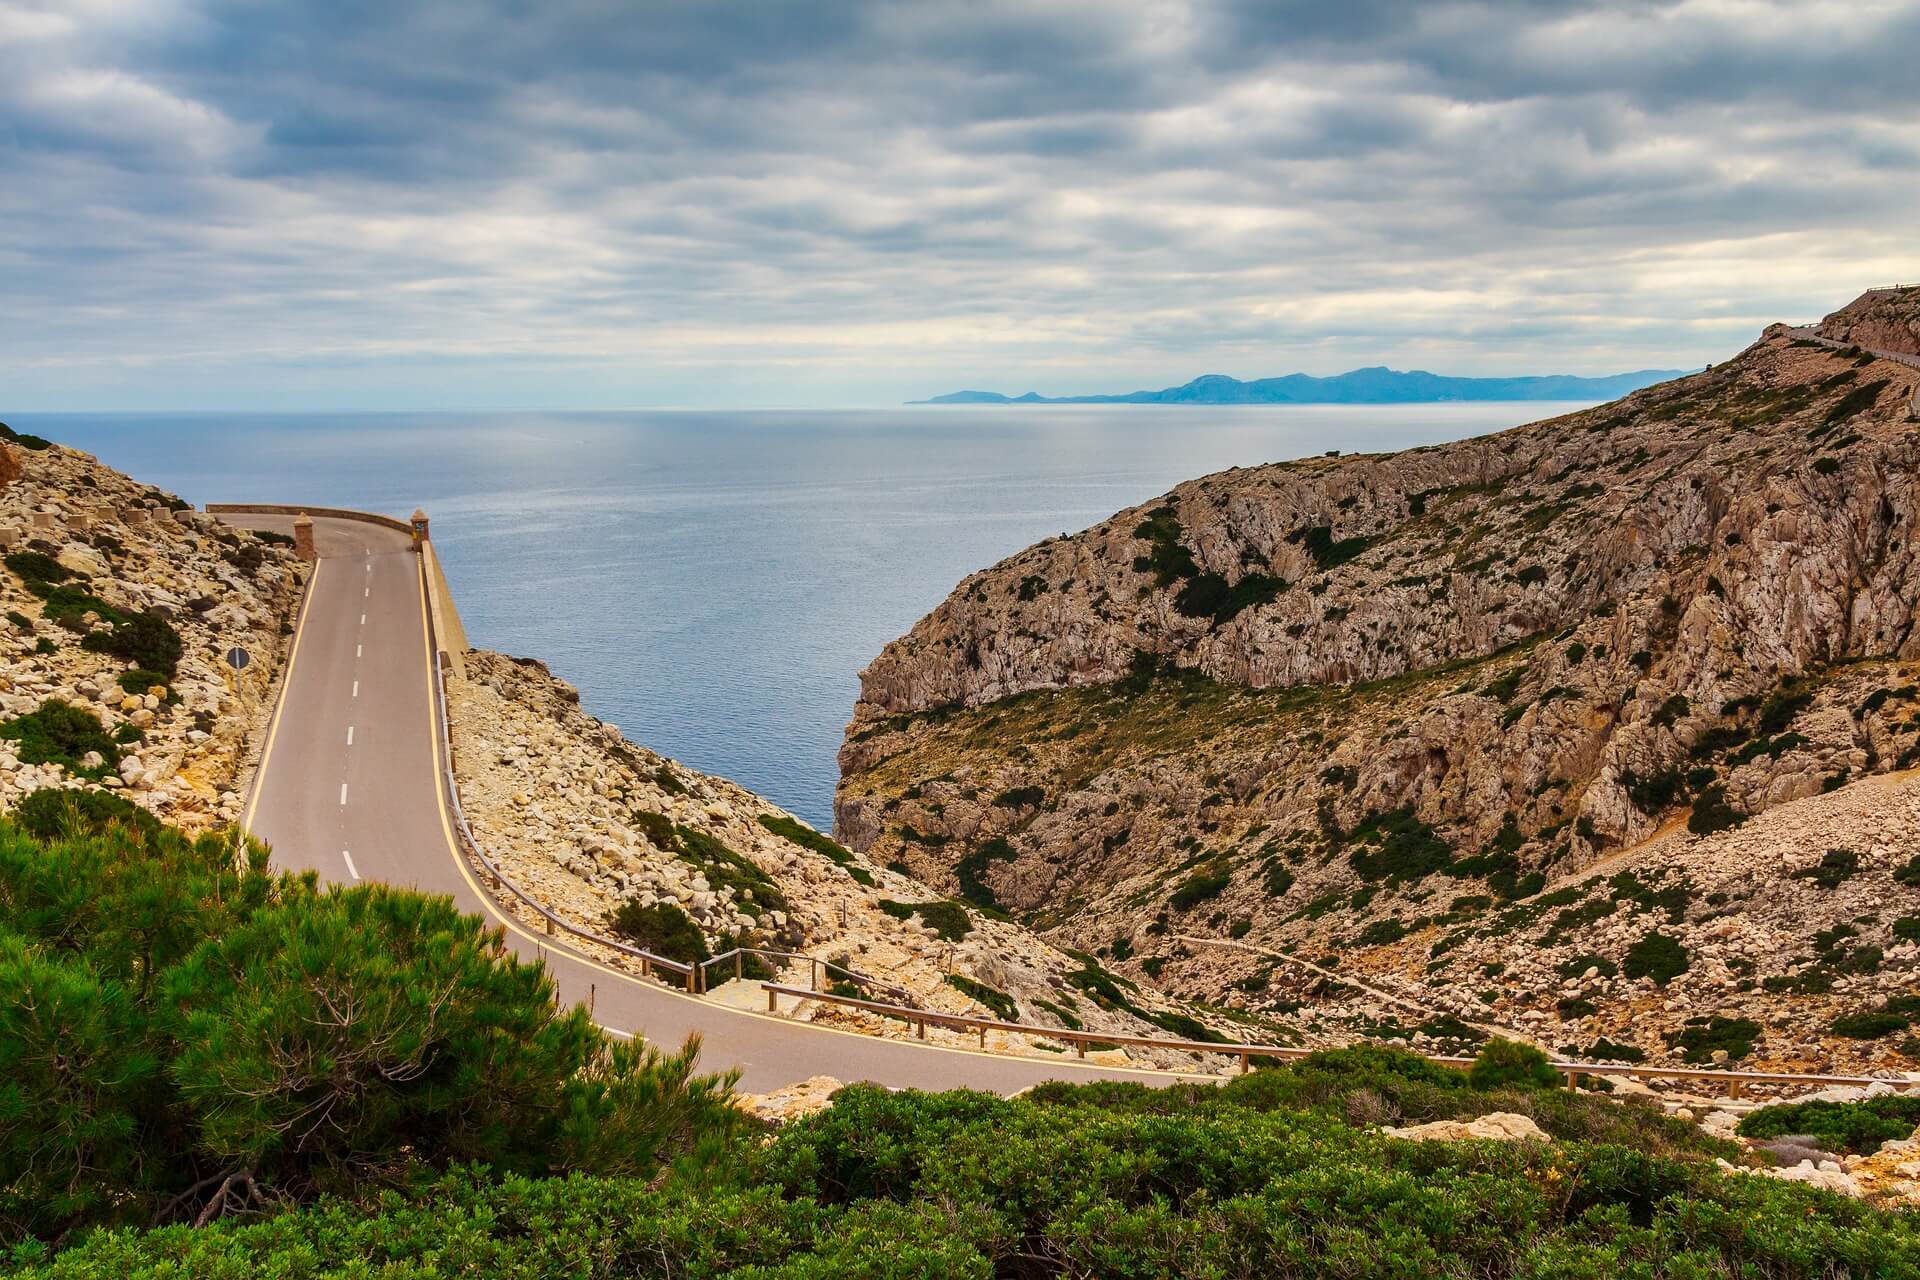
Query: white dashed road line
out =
(351, 869)
(349, 735)
(343, 793)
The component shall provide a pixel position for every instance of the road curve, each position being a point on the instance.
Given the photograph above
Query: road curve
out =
(348, 787)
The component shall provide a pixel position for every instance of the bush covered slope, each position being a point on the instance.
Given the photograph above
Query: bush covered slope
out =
(1265, 1177)
(1390, 708)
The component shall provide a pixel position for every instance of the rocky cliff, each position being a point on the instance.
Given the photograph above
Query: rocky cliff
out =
(118, 601)
(1461, 717)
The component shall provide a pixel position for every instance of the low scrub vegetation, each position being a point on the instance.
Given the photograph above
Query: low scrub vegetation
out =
(59, 733)
(184, 1036)
(1276, 1174)
(807, 838)
(949, 920)
(1856, 1128)
(662, 928)
(999, 1002)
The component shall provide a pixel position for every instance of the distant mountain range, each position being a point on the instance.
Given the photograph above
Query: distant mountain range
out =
(1375, 385)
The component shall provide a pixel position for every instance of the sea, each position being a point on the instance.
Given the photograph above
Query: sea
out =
(714, 581)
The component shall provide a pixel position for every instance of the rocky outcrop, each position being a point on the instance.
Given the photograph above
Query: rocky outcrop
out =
(131, 558)
(1392, 710)
(1880, 319)
(586, 821)
(1497, 1126)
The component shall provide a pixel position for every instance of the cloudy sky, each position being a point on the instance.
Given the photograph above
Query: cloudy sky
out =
(586, 203)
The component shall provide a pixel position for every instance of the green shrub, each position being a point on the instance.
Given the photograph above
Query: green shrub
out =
(1835, 867)
(37, 567)
(54, 813)
(1103, 1179)
(1657, 956)
(1906, 929)
(1575, 966)
(144, 639)
(969, 870)
(1868, 1024)
(1508, 1064)
(662, 928)
(1712, 813)
(754, 890)
(1397, 846)
(1200, 887)
(947, 919)
(807, 838)
(1855, 1128)
(999, 1002)
(1209, 595)
(1608, 1051)
(183, 1034)
(1278, 878)
(58, 733)
(1381, 933)
(139, 680)
(1908, 872)
(1701, 1038)
(32, 443)
(1327, 551)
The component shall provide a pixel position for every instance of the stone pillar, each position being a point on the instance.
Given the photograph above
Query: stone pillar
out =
(42, 521)
(303, 538)
(419, 522)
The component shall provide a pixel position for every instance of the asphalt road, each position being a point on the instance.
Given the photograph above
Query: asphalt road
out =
(349, 788)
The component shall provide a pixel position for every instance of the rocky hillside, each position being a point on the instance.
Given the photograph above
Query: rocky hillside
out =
(595, 826)
(1486, 721)
(118, 601)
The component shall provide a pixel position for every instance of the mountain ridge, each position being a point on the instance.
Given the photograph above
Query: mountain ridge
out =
(1371, 384)
(1606, 726)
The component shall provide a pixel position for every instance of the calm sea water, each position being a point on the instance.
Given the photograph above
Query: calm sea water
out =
(714, 581)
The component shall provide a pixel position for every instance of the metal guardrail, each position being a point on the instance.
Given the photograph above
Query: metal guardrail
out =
(293, 509)
(1736, 1081)
(815, 964)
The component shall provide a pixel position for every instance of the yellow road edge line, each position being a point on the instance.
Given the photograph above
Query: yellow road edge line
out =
(654, 988)
(279, 703)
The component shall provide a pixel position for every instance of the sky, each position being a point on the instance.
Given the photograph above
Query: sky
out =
(277, 205)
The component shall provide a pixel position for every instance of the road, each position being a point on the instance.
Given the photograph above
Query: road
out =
(348, 787)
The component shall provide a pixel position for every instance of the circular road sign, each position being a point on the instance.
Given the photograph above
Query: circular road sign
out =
(238, 658)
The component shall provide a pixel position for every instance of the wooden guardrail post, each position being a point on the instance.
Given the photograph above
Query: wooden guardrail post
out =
(773, 1001)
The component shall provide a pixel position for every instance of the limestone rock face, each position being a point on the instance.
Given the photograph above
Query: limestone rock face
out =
(1473, 720)
(1497, 1126)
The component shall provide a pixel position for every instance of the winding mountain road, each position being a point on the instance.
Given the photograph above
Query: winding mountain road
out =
(349, 787)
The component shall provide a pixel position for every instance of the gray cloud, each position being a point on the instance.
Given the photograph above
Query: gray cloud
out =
(449, 202)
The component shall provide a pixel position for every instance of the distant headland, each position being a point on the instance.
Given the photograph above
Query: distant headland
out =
(1375, 385)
